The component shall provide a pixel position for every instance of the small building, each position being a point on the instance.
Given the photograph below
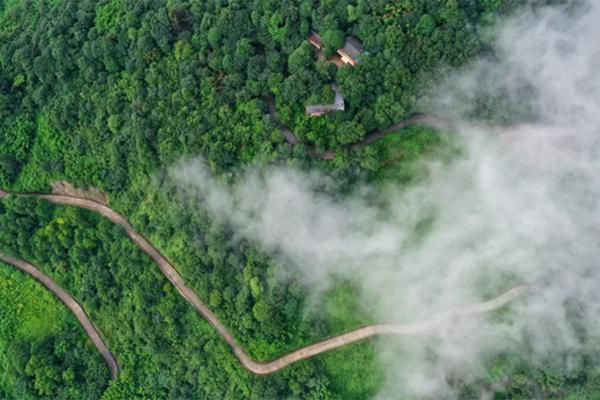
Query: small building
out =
(318, 109)
(321, 109)
(351, 51)
(315, 40)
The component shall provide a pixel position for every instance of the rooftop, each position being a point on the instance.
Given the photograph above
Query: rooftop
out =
(315, 40)
(352, 49)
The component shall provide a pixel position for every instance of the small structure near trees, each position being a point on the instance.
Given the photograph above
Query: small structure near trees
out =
(315, 40)
(320, 109)
(349, 54)
(351, 51)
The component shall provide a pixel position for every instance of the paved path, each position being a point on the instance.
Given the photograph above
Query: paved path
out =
(72, 304)
(268, 367)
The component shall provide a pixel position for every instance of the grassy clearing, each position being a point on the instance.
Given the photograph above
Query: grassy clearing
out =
(404, 155)
(354, 371)
(39, 336)
(28, 309)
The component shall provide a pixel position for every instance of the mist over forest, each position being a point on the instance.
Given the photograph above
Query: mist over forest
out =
(516, 206)
(177, 138)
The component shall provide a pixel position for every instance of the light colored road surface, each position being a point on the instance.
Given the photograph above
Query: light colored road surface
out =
(72, 304)
(268, 367)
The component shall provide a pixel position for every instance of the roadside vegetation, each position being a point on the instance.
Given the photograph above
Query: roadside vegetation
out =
(43, 350)
(111, 93)
(165, 349)
(404, 154)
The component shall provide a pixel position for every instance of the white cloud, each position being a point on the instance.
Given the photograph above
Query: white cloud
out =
(520, 207)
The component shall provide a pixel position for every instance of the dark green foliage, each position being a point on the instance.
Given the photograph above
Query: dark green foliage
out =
(45, 353)
(300, 58)
(109, 93)
(333, 39)
(166, 350)
(404, 155)
(101, 92)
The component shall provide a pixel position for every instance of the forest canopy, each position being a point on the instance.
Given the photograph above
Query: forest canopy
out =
(110, 93)
(104, 92)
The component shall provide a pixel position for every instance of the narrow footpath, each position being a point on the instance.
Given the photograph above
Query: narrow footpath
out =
(72, 304)
(268, 367)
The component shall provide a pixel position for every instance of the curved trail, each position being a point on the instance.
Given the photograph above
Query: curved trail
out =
(268, 367)
(72, 304)
(415, 119)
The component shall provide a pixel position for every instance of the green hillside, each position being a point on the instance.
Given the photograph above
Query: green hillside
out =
(112, 93)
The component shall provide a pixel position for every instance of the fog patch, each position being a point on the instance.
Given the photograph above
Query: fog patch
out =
(519, 207)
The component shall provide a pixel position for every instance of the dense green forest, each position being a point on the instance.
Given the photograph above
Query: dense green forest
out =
(165, 348)
(42, 349)
(107, 92)
(110, 93)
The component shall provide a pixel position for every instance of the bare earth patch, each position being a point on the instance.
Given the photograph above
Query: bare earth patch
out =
(66, 189)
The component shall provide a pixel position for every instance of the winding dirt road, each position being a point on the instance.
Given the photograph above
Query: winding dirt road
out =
(268, 367)
(72, 304)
